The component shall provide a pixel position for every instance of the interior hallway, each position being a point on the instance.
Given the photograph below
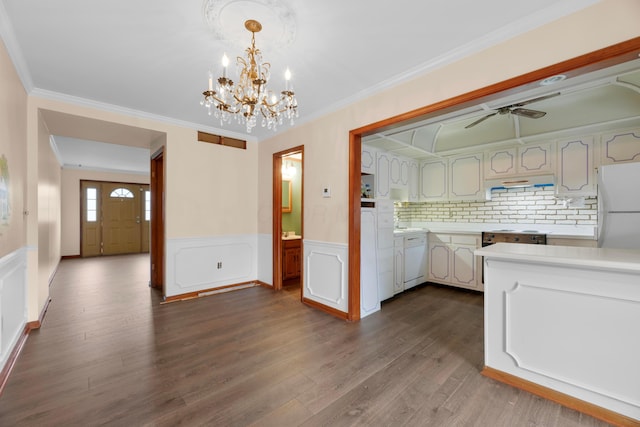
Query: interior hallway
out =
(109, 353)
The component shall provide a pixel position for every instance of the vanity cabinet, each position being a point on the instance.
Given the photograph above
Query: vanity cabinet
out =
(452, 261)
(576, 175)
(291, 258)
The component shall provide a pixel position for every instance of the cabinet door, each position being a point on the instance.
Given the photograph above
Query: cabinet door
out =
(465, 177)
(398, 269)
(464, 262)
(414, 181)
(368, 160)
(395, 172)
(291, 260)
(535, 159)
(621, 147)
(383, 170)
(576, 174)
(433, 180)
(501, 163)
(439, 257)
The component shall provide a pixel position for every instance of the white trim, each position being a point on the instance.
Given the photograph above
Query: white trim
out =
(8, 37)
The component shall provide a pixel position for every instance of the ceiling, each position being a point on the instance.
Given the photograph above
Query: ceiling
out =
(604, 100)
(150, 58)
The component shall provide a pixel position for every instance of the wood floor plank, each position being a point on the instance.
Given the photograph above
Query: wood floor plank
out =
(109, 353)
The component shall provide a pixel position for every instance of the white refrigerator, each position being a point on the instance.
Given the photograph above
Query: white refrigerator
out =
(619, 206)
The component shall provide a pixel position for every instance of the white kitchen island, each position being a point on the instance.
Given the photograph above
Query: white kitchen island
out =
(564, 323)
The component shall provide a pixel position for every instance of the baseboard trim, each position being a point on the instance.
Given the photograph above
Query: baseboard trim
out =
(561, 398)
(264, 284)
(13, 357)
(70, 257)
(210, 291)
(330, 310)
(36, 324)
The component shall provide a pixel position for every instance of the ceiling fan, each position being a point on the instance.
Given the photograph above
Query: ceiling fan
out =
(517, 110)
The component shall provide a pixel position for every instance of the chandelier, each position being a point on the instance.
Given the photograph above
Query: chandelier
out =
(250, 100)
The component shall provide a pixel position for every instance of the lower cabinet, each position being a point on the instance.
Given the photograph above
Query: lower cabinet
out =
(398, 265)
(452, 261)
(291, 259)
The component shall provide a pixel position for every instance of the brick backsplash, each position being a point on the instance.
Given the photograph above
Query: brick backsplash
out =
(512, 206)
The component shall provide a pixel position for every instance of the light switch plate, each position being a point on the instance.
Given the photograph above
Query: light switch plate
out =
(326, 192)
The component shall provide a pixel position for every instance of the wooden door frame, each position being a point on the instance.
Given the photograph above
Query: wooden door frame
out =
(593, 61)
(156, 248)
(277, 215)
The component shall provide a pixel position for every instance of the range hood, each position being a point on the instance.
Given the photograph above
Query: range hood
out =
(518, 182)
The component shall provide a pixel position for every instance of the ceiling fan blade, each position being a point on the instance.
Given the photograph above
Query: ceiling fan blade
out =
(480, 120)
(538, 99)
(525, 112)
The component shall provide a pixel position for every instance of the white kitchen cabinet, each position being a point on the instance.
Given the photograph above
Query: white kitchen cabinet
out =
(433, 180)
(452, 261)
(414, 181)
(620, 147)
(384, 244)
(368, 160)
(383, 175)
(395, 173)
(369, 298)
(466, 177)
(525, 160)
(576, 174)
(398, 265)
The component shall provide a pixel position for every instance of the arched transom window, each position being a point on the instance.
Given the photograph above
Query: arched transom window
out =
(121, 192)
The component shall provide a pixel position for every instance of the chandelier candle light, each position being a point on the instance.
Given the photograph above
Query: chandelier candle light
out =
(250, 98)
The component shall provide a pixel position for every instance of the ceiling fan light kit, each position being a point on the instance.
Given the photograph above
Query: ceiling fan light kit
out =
(250, 99)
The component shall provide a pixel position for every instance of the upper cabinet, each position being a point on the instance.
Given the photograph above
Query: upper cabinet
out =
(466, 180)
(383, 175)
(368, 160)
(414, 181)
(576, 172)
(433, 180)
(621, 147)
(525, 160)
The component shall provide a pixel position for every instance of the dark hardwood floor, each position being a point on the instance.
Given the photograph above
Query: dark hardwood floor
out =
(109, 353)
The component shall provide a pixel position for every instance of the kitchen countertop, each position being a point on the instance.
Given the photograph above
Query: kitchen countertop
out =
(593, 258)
(551, 230)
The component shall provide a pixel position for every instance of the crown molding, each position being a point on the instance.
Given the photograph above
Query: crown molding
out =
(108, 170)
(516, 28)
(112, 108)
(13, 49)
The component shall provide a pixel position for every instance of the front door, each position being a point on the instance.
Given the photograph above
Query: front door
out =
(115, 218)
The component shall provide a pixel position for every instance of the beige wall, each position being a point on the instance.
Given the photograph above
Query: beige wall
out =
(49, 172)
(13, 142)
(326, 140)
(70, 242)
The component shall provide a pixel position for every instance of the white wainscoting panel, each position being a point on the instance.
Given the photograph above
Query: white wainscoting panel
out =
(570, 329)
(13, 301)
(265, 258)
(195, 264)
(326, 273)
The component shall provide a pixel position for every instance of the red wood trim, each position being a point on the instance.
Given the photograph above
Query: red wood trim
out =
(355, 154)
(561, 398)
(264, 285)
(63, 257)
(329, 310)
(198, 294)
(13, 357)
(596, 60)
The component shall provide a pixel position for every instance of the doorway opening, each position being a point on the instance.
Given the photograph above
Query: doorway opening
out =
(115, 218)
(578, 66)
(288, 219)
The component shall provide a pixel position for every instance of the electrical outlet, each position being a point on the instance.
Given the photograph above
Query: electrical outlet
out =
(326, 192)
(219, 265)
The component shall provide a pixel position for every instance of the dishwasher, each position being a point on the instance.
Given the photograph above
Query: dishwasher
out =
(415, 259)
